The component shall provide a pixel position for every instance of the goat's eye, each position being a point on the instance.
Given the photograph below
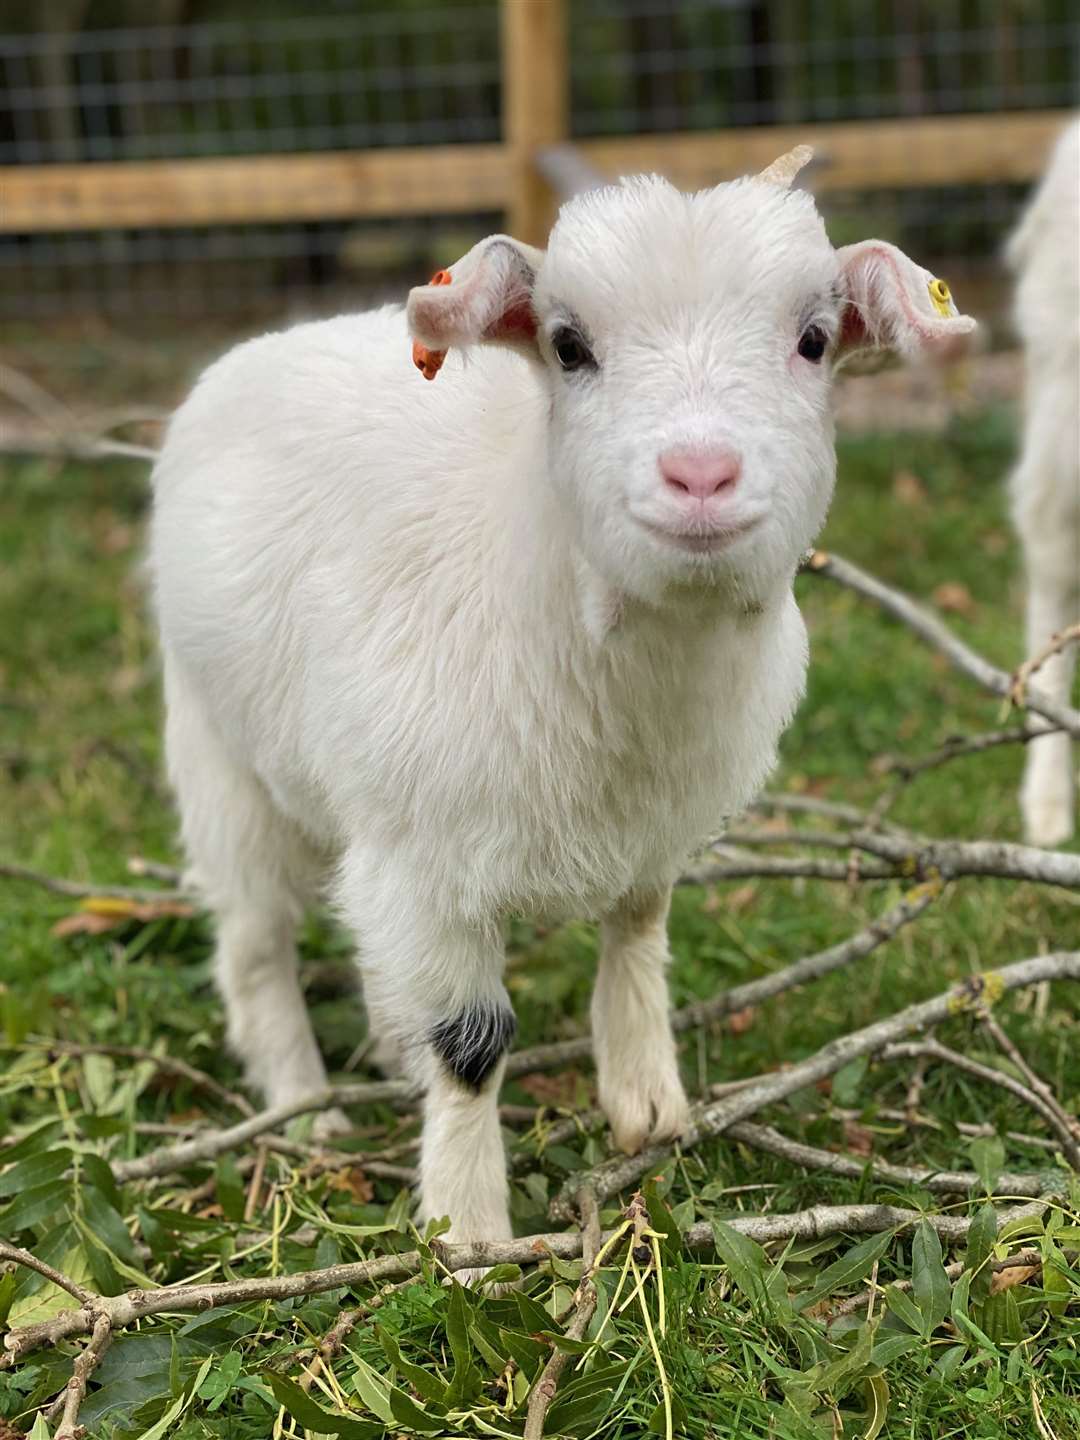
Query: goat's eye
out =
(570, 349)
(813, 343)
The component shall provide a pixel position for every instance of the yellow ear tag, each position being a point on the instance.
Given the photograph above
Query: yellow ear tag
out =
(940, 297)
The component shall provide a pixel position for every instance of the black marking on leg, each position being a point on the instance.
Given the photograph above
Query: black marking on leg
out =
(473, 1042)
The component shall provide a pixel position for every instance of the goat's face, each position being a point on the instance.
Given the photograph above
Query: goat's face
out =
(688, 343)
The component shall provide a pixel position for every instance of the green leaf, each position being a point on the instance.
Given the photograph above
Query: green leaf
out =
(40, 1202)
(980, 1249)
(409, 1413)
(851, 1267)
(311, 1415)
(988, 1158)
(156, 1432)
(230, 1189)
(876, 1391)
(948, 1364)
(902, 1306)
(892, 1347)
(751, 1270)
(100, 1072)
(40, 1431)
(657, 1423)
(34, 1142)
(372, 1389)
(848, 1080)
(422, 1381)
(929, 1283)
(35, 1170)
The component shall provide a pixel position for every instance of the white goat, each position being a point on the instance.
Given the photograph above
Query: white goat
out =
(517, 641)
(1045, 252)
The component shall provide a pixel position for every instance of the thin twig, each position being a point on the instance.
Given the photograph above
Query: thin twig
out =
(23, 1257)
(856, 1167)
(1069, 1123)
(84, 1367)
(584, 1307)
(937, 634)
(1053, 646)
(331, 1344)
(934, 1050)
(612, 1176)
(79, 891)
(953, 1271)
(929, 1122)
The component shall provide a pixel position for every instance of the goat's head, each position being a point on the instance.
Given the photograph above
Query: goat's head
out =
(688, 343)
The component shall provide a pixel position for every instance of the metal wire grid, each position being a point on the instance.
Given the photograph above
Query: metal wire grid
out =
(399, 77)
(648, 65)
(431, 76)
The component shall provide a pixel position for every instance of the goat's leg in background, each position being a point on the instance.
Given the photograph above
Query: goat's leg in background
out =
(638, 1072)
(1047, 502)
(1048, 794)
(256, 873)
(434, 993)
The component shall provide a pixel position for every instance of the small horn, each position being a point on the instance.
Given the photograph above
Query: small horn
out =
(783, 171)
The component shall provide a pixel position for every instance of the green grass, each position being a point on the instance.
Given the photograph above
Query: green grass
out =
(77, 668)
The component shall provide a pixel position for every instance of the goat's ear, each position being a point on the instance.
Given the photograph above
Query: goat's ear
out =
(486, 296)
(890, 303)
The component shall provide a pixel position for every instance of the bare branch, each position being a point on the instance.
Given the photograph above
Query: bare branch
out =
(713, 1119)
(1053, 646)
(1067, 1124)
(856, 1302)
(933, 630)
(1051, 1113)
(78, 891)
(911, 857)
(84, 1367)
(854, 1167)
(584, 1307)
(809, 1224)
(23, 1257)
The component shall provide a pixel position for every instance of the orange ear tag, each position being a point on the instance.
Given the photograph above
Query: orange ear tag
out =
(429, 362)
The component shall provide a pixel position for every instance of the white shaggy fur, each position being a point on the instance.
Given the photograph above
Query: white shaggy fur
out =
(1045, 253)
(459, 650)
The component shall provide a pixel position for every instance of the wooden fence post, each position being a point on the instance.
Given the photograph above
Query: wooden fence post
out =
(535, 107)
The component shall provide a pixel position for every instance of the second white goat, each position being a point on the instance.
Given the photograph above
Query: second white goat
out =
(1045, 252)
(515, 641)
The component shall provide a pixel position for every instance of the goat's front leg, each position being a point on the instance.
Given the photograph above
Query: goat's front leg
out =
(640, 1090)
(434, 991)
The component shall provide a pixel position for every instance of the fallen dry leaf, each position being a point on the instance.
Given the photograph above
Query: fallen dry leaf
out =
(352, 1181)
(908, 488)
(559, 1089)
(857, 1138)
(1014, 1275)
(83, 924)
(739, 1021)
(99, 913)
(954, 598)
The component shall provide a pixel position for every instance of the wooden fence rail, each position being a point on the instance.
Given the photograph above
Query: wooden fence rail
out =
(434, 180)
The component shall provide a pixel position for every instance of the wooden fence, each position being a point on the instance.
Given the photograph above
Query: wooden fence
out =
(854, 155)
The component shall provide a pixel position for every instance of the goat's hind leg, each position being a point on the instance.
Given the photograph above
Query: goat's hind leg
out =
(256, 871)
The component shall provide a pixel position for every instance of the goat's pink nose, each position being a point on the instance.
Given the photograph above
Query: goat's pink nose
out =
(700, 473)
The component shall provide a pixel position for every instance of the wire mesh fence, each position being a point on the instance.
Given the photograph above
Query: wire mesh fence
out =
(374, 77)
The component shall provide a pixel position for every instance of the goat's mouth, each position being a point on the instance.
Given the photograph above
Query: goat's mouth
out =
(699, 541)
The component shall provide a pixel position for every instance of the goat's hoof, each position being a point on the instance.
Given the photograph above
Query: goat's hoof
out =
(645, 1113)
(330, 1123)
(1048, 821)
